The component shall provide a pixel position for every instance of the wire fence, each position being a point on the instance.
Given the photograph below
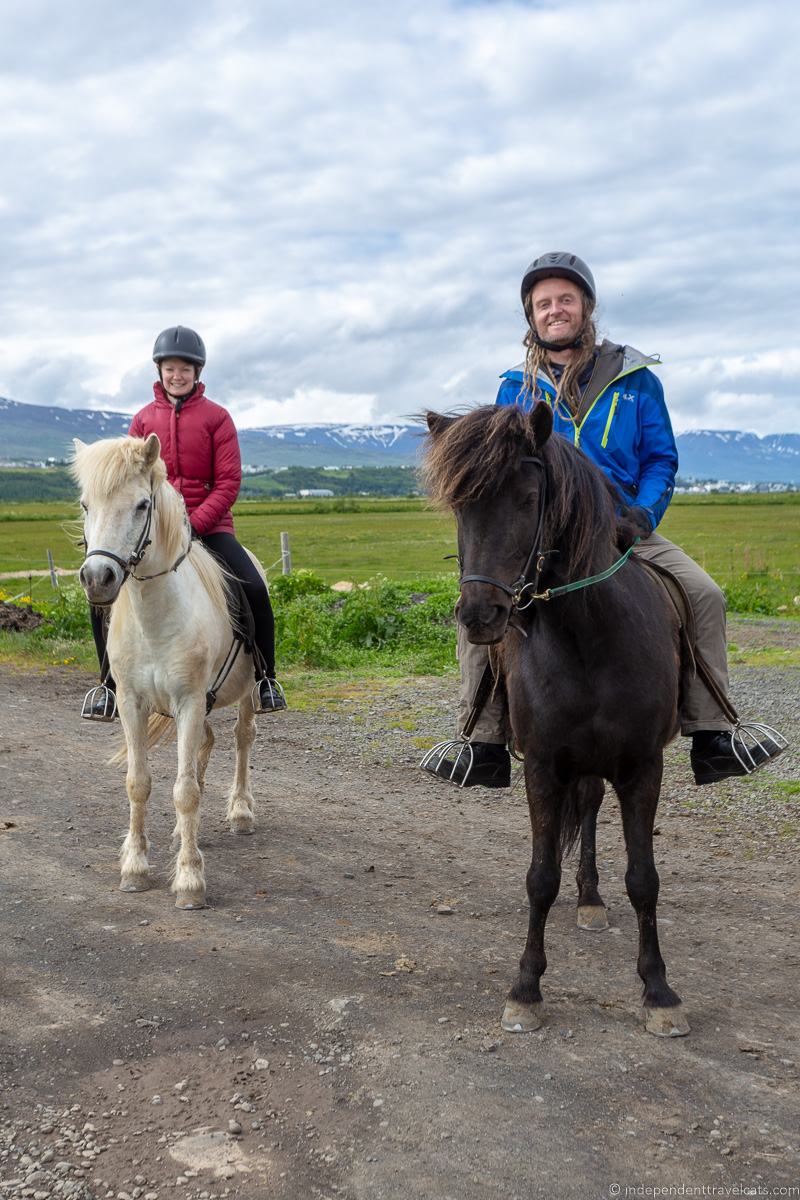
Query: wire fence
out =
(38, 577)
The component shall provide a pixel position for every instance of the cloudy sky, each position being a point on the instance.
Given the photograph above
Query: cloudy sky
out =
(342, 198)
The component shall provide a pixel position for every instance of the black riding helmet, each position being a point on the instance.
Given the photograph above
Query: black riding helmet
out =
(558, 265)
(180, 342)
(561, 266)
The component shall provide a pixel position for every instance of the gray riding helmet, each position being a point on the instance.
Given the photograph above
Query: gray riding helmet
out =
(560, 265)
(180, 342)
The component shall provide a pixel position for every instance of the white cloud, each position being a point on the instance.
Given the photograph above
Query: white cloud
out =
(307, 406)
(343, 200)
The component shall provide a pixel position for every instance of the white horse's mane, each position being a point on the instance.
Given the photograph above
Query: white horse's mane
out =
(103, 468)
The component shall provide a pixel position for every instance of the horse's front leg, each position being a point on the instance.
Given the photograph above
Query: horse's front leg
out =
(134, 866)
(591, 909)
(189, 884)
(202, 764)
(638, 800)
(241, 805)
(522, 1012)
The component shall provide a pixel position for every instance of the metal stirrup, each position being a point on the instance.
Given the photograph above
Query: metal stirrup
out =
(100, 694)
(439, 755)
(275, 692)
(442, 750)
(747, 736)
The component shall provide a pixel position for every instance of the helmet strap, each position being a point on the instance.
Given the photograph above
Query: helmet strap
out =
(554, 345)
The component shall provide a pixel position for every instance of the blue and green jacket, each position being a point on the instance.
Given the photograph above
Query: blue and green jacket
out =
(622, 424)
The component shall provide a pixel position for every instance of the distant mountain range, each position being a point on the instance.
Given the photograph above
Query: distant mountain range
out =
(35, 433)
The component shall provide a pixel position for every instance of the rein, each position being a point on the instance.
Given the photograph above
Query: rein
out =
(535, 564)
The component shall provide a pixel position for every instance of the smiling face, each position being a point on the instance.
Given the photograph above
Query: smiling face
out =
(178, 376)
(557, 310)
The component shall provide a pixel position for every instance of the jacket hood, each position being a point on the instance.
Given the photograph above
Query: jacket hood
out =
(613, 359)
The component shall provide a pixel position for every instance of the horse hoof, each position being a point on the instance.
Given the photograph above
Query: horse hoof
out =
(135, 883)
(243, 826)
(592, 916)
(190, 902)
(666, 1022)
(521, 1018)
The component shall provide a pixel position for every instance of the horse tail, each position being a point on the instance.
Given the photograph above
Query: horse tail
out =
(571, 812)
(581, 801)
(159, 729)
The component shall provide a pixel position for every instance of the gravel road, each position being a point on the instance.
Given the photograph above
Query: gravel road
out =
(323, 1030)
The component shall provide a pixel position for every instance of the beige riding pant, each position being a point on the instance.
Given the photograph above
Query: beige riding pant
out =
(700, 710)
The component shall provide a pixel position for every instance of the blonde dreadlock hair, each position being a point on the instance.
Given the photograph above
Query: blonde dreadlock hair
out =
(568, 392)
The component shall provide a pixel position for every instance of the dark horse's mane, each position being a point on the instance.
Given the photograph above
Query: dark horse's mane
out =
(473, 457)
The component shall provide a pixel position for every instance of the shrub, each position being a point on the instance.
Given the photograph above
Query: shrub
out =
(66, 617)
(300, 583)
(767, 595)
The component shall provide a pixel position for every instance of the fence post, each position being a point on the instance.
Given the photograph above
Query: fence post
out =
(286, 555)
(52, 566)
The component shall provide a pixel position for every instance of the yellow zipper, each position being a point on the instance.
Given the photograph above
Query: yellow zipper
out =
(611, 411)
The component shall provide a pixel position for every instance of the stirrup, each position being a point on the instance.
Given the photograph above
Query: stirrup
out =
(275, 692)
(748, 737)
(101, 695)
(438, 757)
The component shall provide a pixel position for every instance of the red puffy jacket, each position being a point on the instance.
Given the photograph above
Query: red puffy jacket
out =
(201, 451)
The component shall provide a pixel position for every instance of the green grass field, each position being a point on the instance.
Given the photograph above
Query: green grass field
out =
(736, 538)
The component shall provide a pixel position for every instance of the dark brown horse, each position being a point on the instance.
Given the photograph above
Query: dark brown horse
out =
(592, 672)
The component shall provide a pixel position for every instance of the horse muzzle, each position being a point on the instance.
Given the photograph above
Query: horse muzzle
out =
(485, 621)
(101, 580)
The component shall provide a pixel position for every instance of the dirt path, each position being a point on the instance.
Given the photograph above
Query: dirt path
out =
(349, 1031)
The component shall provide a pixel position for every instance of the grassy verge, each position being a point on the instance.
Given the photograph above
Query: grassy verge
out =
(337, 645)
(326, 639)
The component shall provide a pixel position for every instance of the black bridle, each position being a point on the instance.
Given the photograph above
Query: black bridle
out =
(137, 554)
(535, 563)
(528, 581)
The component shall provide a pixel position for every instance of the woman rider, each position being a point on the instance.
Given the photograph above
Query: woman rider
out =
(200, 448)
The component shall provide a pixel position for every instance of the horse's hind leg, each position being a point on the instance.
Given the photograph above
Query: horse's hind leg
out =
(189, 882)
(591, 909)
(205, 754)
(522, 1012)
(241, 805)
(638, 800)
(134, 867)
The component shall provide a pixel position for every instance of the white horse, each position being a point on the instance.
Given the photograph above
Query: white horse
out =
(169, 640)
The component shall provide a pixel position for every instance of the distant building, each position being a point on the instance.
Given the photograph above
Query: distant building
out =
(315, 493)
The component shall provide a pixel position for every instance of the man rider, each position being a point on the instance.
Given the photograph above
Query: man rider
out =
(606, 400)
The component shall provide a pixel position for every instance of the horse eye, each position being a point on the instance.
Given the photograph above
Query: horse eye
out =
(143, 505)
(84, 506)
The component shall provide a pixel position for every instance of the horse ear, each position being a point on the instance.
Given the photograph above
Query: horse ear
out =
(437, 422)
(540, 421)
(78, 444)
(152, 449)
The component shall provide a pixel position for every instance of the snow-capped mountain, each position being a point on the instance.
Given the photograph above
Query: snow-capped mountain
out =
(331, 445)
(738, 457)
(32, 432)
